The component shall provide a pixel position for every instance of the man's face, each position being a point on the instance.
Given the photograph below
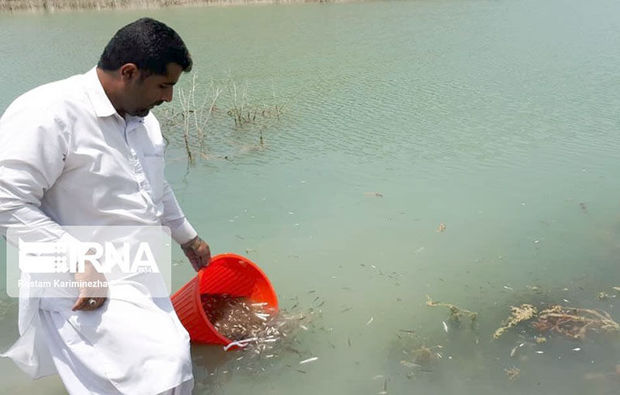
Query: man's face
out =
(145, 91)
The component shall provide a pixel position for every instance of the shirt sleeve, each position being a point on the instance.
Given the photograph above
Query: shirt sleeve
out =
(182, 231)
(33, 147)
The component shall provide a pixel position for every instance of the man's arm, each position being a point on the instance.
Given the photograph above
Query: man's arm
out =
(33, 147)
(196, 250)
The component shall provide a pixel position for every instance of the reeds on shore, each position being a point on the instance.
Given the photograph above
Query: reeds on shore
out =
(53, 5)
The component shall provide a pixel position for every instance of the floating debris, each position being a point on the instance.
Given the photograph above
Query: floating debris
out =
(575, 322)
(512, 373)
(603, 296)
(410, 365)
(370, 321)
(445, 326)
(384, 392)
(456, 313)
(518, 314)
(441, 228)
(373, 194)
(568, 321)
(540, 339)
(424, 355)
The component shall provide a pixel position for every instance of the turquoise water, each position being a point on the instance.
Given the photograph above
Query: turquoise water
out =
(496, 118)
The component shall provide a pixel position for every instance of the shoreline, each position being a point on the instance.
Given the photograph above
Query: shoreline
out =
(50, 6)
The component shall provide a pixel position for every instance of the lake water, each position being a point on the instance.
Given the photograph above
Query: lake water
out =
(498, 119)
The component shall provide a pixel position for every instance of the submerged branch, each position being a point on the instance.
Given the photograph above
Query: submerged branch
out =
(456, 313)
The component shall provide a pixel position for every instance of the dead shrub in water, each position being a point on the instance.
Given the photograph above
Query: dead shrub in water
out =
(190, 123)
(243, 113)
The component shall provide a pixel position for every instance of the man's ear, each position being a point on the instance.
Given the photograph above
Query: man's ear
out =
(129, 71)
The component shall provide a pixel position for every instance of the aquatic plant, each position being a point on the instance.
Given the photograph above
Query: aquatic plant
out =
(512, 373)
(574, 322)
(424, 355)
(518, 314)
(568, 321)
(456, 313)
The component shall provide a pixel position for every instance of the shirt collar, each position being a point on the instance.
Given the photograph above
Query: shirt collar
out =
(97, 96)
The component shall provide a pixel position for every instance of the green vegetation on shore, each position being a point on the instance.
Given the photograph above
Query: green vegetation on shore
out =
(52, 5)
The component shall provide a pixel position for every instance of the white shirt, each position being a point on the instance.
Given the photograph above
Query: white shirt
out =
(68, 158)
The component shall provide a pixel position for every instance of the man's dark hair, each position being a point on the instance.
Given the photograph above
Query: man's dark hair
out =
(149, 44)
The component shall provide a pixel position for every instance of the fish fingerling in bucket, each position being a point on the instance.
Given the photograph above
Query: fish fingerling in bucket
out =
(237, 318)
(253, 326)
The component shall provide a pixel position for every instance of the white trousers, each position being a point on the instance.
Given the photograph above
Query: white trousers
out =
(136, 347)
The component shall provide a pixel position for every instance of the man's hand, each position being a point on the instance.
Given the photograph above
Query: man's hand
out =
(198, 252)
(91, 298)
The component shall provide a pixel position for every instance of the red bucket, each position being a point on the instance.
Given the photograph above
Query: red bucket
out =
(229, 274)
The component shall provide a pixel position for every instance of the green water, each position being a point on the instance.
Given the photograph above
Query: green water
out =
(498, 119)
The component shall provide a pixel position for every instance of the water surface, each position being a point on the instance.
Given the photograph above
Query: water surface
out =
(496, 118)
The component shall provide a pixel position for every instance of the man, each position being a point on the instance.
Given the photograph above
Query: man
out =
(87, 151)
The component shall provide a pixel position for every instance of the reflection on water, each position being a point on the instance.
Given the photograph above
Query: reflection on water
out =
(461, 150)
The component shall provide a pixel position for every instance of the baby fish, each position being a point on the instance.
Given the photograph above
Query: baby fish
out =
(410, 365)
(308, 360)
